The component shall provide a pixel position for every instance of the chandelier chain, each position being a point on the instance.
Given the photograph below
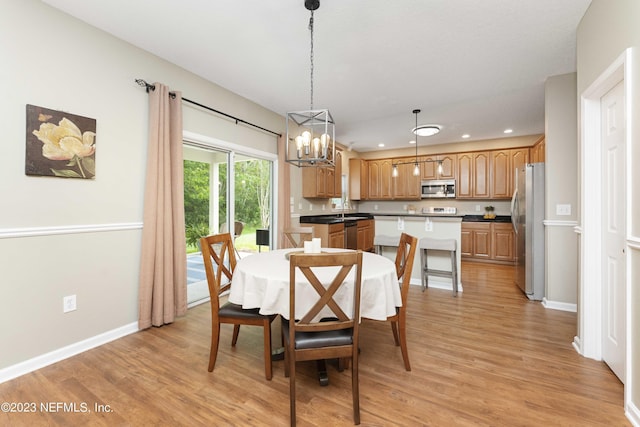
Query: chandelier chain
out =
(311, 57)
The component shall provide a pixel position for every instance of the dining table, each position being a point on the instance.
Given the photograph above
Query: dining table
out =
(261, 281)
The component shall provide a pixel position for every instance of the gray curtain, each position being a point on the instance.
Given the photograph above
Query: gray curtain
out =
(163, 260)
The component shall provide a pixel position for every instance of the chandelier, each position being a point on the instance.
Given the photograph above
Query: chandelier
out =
(314, 142)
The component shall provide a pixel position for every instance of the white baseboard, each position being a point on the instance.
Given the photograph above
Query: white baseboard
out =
(563, 306)
(46, 359)
(633, 414)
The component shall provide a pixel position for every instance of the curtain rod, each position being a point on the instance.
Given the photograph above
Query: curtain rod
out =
(149, 87)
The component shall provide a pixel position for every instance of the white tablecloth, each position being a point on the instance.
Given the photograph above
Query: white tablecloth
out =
(262, 281)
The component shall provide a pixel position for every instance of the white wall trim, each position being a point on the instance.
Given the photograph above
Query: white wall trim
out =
(47, 359)
(11, 233)
(556, 305)
(633, 242)
(633, 413)
(557, 223)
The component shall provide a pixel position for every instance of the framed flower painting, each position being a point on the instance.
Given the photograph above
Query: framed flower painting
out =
(60, 144)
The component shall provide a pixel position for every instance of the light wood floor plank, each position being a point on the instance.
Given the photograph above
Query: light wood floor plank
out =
(488, 357)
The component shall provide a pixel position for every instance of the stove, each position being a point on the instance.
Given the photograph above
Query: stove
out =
(440, 210)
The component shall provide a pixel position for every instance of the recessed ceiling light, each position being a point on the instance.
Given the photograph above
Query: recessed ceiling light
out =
(508, 130)
(380, 145)
(426, 130)
(412, 142)
(466, 135)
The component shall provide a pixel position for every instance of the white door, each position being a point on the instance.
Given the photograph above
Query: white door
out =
(613, 229)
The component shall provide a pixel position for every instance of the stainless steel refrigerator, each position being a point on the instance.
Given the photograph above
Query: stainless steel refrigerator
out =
(527, 216)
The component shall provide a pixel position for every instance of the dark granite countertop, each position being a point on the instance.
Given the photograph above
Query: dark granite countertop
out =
(480, 218)
(333, 218)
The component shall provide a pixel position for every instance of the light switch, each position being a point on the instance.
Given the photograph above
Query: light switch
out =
(428, 224)
(400, 224)
(563, 209)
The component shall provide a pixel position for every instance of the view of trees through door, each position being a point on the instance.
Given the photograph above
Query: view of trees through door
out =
(223, 191)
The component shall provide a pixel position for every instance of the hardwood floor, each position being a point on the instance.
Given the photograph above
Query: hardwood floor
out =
(488, 357)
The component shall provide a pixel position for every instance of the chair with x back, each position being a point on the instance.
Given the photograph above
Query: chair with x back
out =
(296, 236)
(326, 330)
(404, 264)
(219, 262)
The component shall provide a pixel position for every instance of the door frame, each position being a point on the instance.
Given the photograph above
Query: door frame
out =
(207, 142)
(590, 321)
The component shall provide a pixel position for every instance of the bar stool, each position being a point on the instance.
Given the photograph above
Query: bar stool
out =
(449, 245)
(381, 240)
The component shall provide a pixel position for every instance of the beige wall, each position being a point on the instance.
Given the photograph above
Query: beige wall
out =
(52, 60)
(561, 188)
(605, 32)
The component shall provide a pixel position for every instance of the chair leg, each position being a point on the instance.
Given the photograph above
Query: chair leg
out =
(394, 329)
(215, 340)
(236, 331)
(355, 387)
(423, 268)
(403, 341)
(292, 390)
(267, 350)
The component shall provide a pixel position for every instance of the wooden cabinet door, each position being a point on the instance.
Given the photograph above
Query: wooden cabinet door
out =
(449, 163)
(374, 179)
(466, 242)
(386, 188)
(406, 186)
(519, 158)
(358, 179)
(501, 171)
(369, 232)
(429, 169)
(480, 176)
(336, 239)
(502, 240)
(464, 186)
(482, 243)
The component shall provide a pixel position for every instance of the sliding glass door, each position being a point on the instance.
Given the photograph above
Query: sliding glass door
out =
(224, 191)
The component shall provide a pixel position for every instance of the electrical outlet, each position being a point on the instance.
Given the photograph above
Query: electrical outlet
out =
(69, 303)
(428, 224)
(310, 207)
(299, 206)
(400, 224)
(375, 207)
(477, 208)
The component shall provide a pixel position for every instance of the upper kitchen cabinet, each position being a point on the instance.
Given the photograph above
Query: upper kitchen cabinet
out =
(380, 185)
(449, 166)
(473, 175)
(538, 151)
(503, 166)
(358, 179)
(406, 186)
(323, 182)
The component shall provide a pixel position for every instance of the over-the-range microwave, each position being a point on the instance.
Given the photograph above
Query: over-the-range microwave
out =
(438, 189)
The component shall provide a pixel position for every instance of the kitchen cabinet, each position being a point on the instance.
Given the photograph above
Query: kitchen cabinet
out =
(380, 186)
(502, 242)
(406, 186)
(429, 169)
(323, 182)
(488, 242)
(331, 235)
(473, 175)
(366, 231)
(503, 166)
(538, 151)
(476, 240)
(358, 179)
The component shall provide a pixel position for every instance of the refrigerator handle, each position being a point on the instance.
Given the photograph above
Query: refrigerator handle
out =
(514, 211)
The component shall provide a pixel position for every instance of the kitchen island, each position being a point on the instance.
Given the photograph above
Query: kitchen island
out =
(421, 225)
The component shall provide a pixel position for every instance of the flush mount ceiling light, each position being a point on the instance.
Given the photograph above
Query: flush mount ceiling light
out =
(314, 144)
(426, 130)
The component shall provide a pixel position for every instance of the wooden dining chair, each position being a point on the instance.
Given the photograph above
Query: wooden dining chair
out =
(306, 337)
(404, 264)
(296, 236)
(219, 262)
